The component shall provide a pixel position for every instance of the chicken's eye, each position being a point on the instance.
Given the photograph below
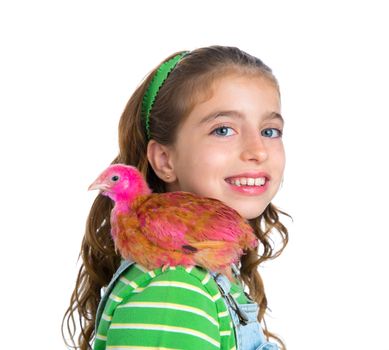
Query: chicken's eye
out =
(115, 178)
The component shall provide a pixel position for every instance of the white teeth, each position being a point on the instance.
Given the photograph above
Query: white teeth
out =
(259, 182)
(248, 181)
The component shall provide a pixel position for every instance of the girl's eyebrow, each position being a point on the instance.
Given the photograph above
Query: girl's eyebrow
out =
(274, 115)
(238, 115)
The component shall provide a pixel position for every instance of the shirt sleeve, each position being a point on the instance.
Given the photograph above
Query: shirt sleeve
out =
(174, 311)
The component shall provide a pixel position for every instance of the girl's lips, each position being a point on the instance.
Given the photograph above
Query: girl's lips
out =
(252, 190)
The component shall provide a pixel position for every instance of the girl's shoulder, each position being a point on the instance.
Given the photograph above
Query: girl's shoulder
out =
(194, 279)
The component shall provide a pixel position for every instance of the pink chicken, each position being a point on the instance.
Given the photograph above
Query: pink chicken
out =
(173, 228)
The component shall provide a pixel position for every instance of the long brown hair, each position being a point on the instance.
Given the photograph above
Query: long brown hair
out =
(190, 80)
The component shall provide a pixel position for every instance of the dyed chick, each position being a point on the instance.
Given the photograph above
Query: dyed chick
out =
(173, 228)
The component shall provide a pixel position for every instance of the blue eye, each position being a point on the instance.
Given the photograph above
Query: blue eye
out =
(270, 132)
(223, 131)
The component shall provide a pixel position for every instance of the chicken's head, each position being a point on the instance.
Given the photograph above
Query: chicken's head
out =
(120, 182)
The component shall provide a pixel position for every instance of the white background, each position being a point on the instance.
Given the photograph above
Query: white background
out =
(67, 70)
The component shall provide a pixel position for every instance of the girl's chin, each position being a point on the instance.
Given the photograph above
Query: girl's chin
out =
(248, 213)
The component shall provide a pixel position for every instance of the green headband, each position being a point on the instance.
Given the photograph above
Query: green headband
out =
(152, 91)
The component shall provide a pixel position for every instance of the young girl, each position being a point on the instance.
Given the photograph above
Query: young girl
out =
(208, 122)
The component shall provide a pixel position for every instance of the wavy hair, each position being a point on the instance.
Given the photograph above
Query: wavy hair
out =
(189, 81)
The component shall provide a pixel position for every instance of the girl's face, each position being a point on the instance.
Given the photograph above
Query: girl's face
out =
(229, 143)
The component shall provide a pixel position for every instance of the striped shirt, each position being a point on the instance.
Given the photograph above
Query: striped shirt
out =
(179, 308)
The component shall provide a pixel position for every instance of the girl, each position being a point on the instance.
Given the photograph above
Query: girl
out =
(208, 122)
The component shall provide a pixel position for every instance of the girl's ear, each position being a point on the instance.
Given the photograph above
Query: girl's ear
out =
(159, 157)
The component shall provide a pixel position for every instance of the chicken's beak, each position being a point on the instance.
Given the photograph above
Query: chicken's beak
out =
(97, 185)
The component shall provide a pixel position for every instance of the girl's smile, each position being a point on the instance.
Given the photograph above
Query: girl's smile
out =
(250, 184)
(230, 146)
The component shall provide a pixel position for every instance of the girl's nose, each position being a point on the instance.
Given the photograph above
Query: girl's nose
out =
(254, 149)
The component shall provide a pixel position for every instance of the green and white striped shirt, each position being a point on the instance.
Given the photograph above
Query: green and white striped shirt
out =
(180, 308)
